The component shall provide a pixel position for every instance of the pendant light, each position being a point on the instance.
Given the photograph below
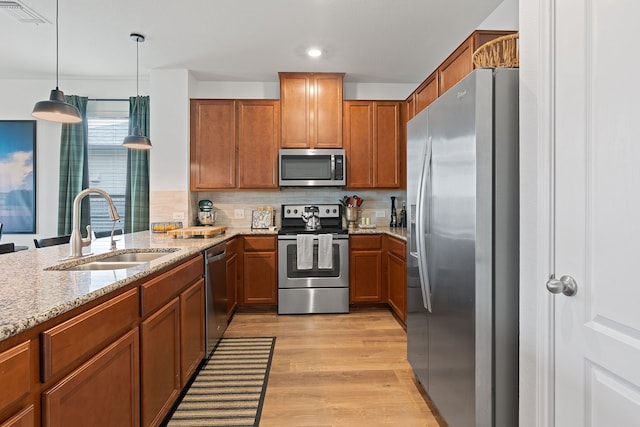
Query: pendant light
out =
(55, 109)
(137, 140)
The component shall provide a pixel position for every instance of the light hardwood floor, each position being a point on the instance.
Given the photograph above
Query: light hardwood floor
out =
(337, 370)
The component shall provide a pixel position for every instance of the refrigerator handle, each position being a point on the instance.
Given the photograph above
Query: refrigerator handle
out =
(424, 185)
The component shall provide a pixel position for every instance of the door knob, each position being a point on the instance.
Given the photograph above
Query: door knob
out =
(566, 285)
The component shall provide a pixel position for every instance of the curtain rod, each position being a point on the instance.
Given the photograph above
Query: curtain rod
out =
(108, 99)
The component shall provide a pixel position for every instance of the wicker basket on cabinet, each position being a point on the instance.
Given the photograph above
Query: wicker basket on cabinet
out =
(500, 52)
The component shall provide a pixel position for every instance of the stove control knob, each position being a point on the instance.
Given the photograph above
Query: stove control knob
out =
(288, 211)
(335, 211)
(328, 211)
(295, 211)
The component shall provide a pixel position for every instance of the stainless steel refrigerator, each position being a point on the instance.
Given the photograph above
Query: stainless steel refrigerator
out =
(462, 261)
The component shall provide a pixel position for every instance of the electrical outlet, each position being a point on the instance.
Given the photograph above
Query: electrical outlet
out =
(178, 216)
(238, 213)
(380, 214)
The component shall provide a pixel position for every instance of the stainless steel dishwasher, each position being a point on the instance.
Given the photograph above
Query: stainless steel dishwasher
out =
(216, 296)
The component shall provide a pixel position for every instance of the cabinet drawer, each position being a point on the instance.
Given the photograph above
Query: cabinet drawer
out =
(82, 336)
(156, 292)
(369, 242)
(14, 374)
(259, 244)
(397, 247)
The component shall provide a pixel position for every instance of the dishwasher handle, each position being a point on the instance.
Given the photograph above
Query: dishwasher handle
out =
(213, 257)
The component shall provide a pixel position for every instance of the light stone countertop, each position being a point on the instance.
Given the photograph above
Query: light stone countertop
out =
(399, 232)
(30, 295)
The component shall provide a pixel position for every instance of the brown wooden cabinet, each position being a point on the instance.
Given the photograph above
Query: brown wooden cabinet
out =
(161, 342)
(191, 330)
(15, 376)
(373, 144)
(258, 140)
(213, 144)
(260, 278)
(365, 269)
(232, 276)
(75, 340)
(311, 110)
(160, 362)
(396, 276)
(427, 92)
(119, 361)
(234, 144)
(104, 391)
(458, 65)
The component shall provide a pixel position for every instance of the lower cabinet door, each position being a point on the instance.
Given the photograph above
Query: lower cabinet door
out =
(105, 391)
(191, 330)
(160, 362)
(396, 277)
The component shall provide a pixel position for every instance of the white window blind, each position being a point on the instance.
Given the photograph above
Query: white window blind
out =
(108, 123)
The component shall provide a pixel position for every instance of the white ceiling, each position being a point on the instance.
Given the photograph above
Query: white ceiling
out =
(374, 41)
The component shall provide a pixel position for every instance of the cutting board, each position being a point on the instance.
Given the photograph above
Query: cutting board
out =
(201, 231)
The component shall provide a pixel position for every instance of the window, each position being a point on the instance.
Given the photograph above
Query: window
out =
(108, 124)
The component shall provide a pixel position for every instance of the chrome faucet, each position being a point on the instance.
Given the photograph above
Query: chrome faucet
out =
(77, 242)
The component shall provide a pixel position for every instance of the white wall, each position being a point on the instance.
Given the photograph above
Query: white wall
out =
(504, 17)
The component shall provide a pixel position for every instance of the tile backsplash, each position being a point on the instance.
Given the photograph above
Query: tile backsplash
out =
(244, 202)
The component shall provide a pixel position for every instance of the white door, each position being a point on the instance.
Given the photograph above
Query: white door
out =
(597, 213)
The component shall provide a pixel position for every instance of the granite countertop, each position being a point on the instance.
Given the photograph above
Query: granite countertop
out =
(400, 233)
(31, 294)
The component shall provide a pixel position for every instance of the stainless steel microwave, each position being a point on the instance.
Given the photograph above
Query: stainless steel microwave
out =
(324, 167)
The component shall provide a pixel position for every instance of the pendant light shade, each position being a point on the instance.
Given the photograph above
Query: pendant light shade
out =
(55, 109)
(137, 140)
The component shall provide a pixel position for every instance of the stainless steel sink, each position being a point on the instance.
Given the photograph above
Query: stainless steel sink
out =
(133, 257)
(122, 259)
(99, 265)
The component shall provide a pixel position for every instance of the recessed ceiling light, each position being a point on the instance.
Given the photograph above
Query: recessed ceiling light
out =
(314, 52)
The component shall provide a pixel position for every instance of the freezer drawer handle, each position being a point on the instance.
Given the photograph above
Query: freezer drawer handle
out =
(566, 285)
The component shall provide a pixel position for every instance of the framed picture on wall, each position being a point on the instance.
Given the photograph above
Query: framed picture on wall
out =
(18, 176)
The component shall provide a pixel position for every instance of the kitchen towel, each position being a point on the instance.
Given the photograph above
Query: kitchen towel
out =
(304, 251)
(325, 251)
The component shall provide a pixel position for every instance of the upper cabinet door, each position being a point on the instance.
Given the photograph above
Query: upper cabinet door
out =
(456, 66)
(389, 153)
(373, 144)
(358, 143)
(311, 110)
(295, 103)
(213, 144)
(426, 93)
(258, 139)
(327, 111)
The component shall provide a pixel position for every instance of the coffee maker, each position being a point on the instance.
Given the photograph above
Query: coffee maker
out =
(206, 216)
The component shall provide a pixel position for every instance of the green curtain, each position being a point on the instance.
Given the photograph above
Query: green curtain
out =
(74, 168)
(137, 192)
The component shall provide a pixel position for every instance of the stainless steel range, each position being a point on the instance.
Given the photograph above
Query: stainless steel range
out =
(313, 260)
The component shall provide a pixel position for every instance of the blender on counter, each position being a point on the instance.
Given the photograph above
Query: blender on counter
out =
(206, 216)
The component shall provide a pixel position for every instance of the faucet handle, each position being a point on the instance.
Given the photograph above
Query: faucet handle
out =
(86, 241)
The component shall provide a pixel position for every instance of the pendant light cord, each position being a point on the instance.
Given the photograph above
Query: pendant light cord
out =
(137, 66)
(57, 43)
